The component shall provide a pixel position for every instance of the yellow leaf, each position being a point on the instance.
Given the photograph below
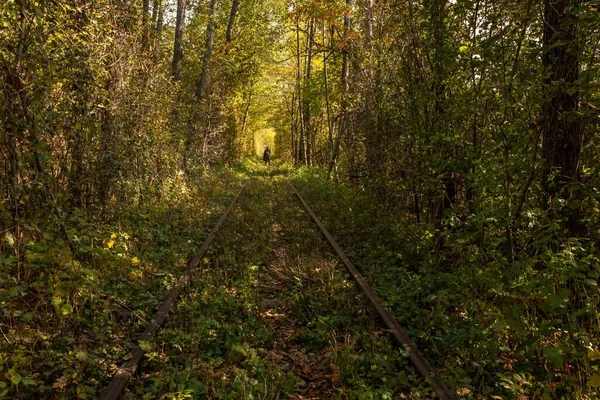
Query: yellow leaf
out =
(110, 244)
(113, 235)
(135, 261)
(81, 393)
(594, 381)
(594, 355)
(9, 239)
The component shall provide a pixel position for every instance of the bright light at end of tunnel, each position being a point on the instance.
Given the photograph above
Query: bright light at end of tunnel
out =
(263, 138)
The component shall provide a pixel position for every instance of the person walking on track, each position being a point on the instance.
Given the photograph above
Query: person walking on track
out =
(267, 156)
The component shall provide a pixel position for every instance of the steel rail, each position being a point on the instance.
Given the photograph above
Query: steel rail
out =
(419, 362)
(128, 368)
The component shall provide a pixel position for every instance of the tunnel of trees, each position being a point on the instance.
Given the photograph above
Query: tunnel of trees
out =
(469, 125)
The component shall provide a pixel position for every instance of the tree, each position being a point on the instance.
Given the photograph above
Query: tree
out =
(562, 129)
(177, 45)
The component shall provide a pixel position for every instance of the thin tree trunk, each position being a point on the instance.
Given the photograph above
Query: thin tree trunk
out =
(200, 89)
(301, 147)
(155, 6)
(344, 78)
(246, 113)
(210, 33)
(508, 179)
(326, 83)
(159, 28)
(416, 203)
(308, 136)
(12, 171)
(470, 191)
(145, 24)
(294, 127)
(234, 8)
(177, 48)
(369, 22)
(437, 17)
(106, 172)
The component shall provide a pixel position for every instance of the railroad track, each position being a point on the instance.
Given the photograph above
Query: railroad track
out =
(129, 368)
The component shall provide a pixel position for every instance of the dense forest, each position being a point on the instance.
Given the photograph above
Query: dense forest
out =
(451, 146)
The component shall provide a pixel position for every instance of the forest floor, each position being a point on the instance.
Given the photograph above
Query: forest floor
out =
(272, 315)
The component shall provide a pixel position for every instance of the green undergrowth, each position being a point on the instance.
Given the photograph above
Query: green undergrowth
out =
(526, 329)
(272, 315)
(71, 314)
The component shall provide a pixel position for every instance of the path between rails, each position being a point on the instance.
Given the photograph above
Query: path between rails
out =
(271, 314)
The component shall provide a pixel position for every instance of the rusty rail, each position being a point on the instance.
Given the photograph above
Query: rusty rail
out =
(128, 368)
(419, 362)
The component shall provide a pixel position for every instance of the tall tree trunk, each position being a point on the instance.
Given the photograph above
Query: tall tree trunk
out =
(308, 135)
(106, 170)
(155, 6)
(562, 129)
(159, 28)
(375, 135)
(369, 22)
(177, 49)
(145, 24)
(326, 84)
(246, 113)
(234, 8)
(437, 15)
(12, 133)
(200, 89)
(344, 78)
(301, 148)
(210, 33)
(294, 127)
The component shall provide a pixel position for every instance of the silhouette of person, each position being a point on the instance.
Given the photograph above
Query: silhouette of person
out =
(267, 156)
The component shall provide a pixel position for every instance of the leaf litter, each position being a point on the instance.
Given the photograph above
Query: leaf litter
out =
(272, 315)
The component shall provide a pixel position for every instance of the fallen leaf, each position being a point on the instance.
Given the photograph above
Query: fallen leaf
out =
(60, 383)
(336, 375)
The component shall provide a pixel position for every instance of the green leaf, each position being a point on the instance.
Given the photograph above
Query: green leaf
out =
(239, 349)
(555, 355)
(28, 380)
(56, 301)
(365, 396)
(15, 379)
(553, 302)
(66, 309)
(8, 261)
(145, 346)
